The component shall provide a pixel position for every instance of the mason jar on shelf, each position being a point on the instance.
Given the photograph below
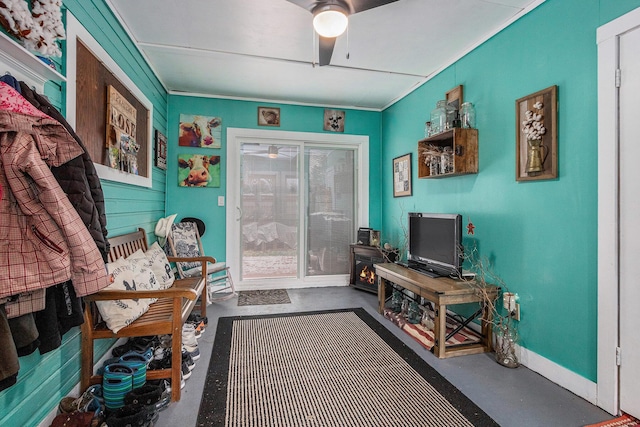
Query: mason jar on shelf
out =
(468, 115)
(439, 117)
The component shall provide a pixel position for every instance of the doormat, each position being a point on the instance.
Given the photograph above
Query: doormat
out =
(264, 297)
(623, 421)
(327, 368)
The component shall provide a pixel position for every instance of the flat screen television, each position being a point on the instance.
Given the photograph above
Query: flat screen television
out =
(435, 244)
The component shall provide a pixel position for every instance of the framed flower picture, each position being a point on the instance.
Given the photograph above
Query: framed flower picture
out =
(402, 176)
(536, 136)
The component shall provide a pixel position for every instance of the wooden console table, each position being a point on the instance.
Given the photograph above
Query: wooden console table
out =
(441, 291)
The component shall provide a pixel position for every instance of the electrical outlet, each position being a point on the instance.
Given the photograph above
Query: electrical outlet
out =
(510, 304)
(220, 200)
(515, 314)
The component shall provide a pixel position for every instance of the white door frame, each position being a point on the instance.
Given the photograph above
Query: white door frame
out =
(608, 212)
(235, 137)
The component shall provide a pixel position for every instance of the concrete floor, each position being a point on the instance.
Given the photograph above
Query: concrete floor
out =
(513, 397)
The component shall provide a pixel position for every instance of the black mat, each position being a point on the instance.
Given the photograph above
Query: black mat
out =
(263, 297)
(214, 398)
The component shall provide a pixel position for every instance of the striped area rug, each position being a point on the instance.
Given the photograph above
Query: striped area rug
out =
(337, 368)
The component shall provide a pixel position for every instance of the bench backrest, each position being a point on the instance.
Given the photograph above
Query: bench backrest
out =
(126, 244)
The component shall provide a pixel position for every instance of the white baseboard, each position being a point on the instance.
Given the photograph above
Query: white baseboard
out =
(577, 384)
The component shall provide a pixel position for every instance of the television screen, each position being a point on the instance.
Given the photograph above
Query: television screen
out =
(434, 243)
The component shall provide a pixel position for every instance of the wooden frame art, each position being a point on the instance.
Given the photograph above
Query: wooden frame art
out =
(536, 136)
(402, 176)
(268, 116)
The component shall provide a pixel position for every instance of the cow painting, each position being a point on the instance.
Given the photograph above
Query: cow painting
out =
(200, 131)
(198, 170)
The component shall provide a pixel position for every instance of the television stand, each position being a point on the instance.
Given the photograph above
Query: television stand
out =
(441, 291)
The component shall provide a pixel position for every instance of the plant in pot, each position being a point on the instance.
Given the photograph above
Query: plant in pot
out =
(504, 325)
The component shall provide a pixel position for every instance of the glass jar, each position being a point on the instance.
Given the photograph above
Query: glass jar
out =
(439, 117)
(427, 129)
(446, 160)
(468, 115)
(452, 113)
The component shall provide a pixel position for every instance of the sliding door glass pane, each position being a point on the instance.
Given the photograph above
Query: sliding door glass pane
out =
(330, 182)
(270, 211)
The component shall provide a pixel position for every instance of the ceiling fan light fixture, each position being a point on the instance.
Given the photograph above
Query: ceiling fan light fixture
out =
(330, 20)
(273, 152)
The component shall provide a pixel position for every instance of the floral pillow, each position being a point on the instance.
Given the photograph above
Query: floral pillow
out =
(127, 275)
(156, 260)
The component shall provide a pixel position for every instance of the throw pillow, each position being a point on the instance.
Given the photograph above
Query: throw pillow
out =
(156, 260)
(127, 275)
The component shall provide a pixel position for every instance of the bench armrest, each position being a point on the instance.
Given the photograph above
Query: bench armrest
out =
(202, 259)
(172, 292)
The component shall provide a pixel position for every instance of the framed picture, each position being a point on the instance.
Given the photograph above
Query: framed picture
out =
(198, 170)
(161, 150)
(334, 120)
(454, 97)
(536, 136)
(402, 176)
(268, 116)
(200, 131)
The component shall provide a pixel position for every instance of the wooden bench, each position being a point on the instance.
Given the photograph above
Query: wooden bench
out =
(165, 316)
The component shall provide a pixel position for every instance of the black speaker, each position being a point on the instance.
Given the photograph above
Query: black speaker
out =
(364, 234)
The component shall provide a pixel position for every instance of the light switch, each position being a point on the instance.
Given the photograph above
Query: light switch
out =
(220, 200)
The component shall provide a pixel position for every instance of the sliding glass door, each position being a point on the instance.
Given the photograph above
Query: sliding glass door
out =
(270, 206)
(292, 209)
(330, 200)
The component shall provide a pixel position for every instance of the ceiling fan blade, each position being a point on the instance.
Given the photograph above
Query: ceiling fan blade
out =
(326, 45)
(305, 4)
(362, 5)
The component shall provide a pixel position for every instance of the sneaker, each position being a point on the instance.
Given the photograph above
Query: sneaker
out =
(193, 317)
(186, 372)
(186, 358)
(163, 363)
(140, 344)
(189, 341)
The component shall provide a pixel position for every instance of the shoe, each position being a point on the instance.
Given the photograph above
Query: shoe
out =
(189, 341)
(186, 358)
(186, 372)
(163, 363)
(138, 363)
(117, 381)
(146, 395)
(140, 344)
(193, 317)
(130, 415)
(165, 387)
(90, 401)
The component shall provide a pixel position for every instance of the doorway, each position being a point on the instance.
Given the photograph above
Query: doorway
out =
(618, 204)
(294, 201)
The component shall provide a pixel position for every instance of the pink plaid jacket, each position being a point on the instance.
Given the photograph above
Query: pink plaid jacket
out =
(43, 241)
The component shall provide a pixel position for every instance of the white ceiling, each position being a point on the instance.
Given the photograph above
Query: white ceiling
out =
(266, 49)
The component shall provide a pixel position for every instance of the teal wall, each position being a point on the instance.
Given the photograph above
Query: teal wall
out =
(541, 235)
(44, 379)
(203, 202)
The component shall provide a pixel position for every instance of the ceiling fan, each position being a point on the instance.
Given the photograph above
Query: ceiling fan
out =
(330, 19)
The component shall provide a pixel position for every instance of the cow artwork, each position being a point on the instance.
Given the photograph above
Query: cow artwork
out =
(334, 120)
(200, 131)
(198, 170)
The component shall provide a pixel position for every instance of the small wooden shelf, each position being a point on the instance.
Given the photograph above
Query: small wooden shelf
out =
(463, 144)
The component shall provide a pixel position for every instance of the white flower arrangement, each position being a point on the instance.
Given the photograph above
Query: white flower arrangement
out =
(533, 125)
(39, 29)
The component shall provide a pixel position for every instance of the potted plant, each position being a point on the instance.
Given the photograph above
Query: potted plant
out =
(504, 325)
